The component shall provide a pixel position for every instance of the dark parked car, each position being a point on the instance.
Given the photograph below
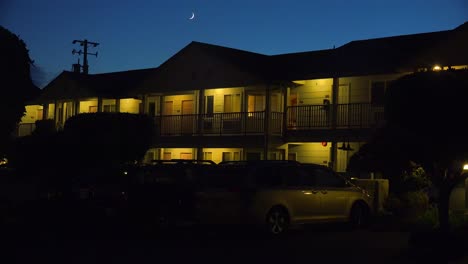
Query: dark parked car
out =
(161, 194)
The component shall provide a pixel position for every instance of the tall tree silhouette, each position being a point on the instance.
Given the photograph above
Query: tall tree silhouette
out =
(428, 110)
(16, 84)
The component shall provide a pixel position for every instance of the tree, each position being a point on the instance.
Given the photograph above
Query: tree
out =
(108, 138)
(426, 113)
(17, 86)
(91, 147)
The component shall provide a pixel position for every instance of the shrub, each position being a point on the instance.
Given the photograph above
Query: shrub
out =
(408, 204)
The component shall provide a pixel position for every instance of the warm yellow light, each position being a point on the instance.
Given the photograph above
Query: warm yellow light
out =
(437, 68)
(465, 167)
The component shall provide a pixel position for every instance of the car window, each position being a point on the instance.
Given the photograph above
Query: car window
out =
(267, 177)
(297, 177)
(224, 177)
(327, 178)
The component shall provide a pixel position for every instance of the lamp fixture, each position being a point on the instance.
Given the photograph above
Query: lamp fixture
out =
(343, 147)
(346, 147)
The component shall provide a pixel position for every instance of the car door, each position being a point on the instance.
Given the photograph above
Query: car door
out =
(334, 193)
(301, 195)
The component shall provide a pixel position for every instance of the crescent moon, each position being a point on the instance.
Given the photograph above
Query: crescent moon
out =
(193, 16)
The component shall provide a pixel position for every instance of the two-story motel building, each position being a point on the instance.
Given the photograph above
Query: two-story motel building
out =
(219, 103)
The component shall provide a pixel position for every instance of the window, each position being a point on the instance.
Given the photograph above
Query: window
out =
(326, 178)
(296, 177)
(227, 156)
(267, 177)
(231, 103)
(256, 103)
(207, 155)
(167, 155)
(209, 106)
(275, 104)
(186, 155)
(93, 109)
(40, 114)
(109, 108)
(377, 93)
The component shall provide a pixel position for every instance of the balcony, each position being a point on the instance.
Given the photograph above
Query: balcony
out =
(356, 115)
(237, 123)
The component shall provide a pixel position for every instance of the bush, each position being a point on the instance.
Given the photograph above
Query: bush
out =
(45, 127)
(429, 221)
(408, 204)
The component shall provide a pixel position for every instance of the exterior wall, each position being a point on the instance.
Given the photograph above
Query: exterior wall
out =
(217, 154)
(218, 98)
(313, 92)
(130, 105)
(153, 100)
(311, 153)
(87, 106)
(33, 113)
(177, 153)
(177, 102)
(342, 156)
(51, 111)
(358, 88)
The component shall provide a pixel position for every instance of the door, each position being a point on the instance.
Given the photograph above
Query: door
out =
(343, 105)
(168, 122)
(334, 194)
(292, 113)
(301, 195)
(188, 119)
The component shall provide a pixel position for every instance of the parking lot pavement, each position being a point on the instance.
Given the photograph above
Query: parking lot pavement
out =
(95, 240)
(75, 244)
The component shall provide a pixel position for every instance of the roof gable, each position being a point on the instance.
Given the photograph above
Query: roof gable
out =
(204, 65)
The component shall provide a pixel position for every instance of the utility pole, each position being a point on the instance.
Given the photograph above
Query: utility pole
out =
(85, 52)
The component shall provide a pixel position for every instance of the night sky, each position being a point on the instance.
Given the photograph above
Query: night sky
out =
(142, 34)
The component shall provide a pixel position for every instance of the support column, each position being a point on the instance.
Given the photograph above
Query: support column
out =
(76, 107)
(333, 154)
(45, 111)
(117, 105)
(334, 102)
(99, 104)
(284, 128)
(266, 122)
(334, 110)
(201, 110)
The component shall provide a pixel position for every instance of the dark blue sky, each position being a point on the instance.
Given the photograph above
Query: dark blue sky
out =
(144, 33)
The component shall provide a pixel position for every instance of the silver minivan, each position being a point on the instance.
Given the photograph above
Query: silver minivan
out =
(279, 194)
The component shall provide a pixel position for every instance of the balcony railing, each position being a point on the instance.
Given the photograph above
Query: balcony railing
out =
(356, 115)
(238, 123)
(306, 117)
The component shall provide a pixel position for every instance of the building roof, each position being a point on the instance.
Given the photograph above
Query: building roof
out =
(377, 56)
(202, 65)
(69, 85)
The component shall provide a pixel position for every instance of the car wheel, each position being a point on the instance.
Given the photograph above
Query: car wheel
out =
(358, 216)
(277, 221)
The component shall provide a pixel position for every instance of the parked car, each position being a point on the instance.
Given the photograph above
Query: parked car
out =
(276, 195)
(161, 194)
